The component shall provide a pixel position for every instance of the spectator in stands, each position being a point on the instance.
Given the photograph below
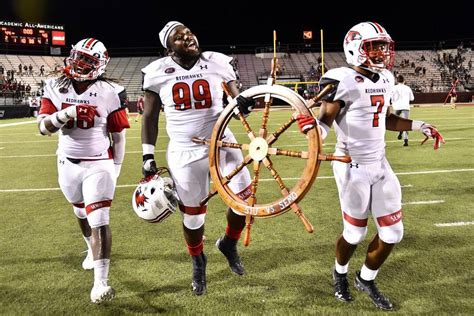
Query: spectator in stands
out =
(91, 148)
(20, 69)
(30, 70)
(42, 70)
(402, 95)
(188, 116)
(367, 186)
(453, 94)
(25, 68)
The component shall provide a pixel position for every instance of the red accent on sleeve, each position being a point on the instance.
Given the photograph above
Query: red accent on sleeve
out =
(117, 121)
(47, 107)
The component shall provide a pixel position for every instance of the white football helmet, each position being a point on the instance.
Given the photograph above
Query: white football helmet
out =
(155, 199)
(368, 45)
(87, 60)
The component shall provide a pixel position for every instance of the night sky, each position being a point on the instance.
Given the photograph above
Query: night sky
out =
(136, 23)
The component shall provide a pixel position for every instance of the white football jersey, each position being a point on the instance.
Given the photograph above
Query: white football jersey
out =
(360, 124)
(76, 139)
(192, 99)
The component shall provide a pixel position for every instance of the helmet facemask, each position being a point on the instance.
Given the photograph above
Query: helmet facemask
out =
(378, 54)
(87, 60)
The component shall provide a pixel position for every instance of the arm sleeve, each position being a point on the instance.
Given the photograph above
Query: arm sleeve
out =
(118, 146)
(117, 121)
(47, 107)
(339, 93)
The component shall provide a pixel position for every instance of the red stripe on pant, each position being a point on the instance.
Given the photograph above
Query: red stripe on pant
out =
(390, 219)
(193, 210)
(79, 205)
(359, 222)
(96, 205)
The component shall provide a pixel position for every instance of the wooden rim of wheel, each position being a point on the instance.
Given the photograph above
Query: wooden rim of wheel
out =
(259, 150)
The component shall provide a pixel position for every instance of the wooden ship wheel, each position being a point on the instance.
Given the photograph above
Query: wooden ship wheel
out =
(260, 149)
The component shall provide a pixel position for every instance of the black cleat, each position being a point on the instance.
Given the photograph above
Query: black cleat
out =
(405, 142)
(399, 136)
(371, 288)
(199, 274)
(341, 286)
(228, 247)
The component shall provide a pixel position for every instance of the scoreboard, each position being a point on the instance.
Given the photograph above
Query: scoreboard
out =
(32, 34)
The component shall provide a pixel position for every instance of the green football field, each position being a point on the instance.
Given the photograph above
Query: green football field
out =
(288, 271)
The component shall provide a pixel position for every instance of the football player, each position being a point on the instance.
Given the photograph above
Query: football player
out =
(86, 109)
(401, 97)
(187, 85)
(359, 108)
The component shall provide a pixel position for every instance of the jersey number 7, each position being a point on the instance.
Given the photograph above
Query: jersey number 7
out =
(378, 101)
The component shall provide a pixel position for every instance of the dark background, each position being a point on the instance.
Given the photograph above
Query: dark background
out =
(136, 23)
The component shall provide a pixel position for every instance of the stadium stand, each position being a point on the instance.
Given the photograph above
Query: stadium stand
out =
(424, 70)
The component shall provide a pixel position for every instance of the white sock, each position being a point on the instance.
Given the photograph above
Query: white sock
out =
(341, 269)
(101, 271)
(88, 242)
(368, 274)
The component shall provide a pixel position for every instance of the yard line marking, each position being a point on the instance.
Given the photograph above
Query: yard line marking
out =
(432, 171)
(17, 123)
(454, 224)
(423, 202)
(407, 186)
(54, 155)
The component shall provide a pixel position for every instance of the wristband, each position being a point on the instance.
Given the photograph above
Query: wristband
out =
(324, 129)
(57, 121)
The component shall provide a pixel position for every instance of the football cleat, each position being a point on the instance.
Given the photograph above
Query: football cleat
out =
(228, 247)
(371, 289)
(199, 274)
(88, 263)
(341, 286)
(102, 292)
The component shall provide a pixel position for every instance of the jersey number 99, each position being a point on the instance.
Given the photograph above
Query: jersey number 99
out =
(184, 95)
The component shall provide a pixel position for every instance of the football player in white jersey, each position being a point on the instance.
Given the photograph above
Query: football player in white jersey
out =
(187, 85)
(89, 113)
(359, 108)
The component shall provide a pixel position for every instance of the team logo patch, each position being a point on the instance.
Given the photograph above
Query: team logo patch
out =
(353, 36)
(169, 70)
(359, 79)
